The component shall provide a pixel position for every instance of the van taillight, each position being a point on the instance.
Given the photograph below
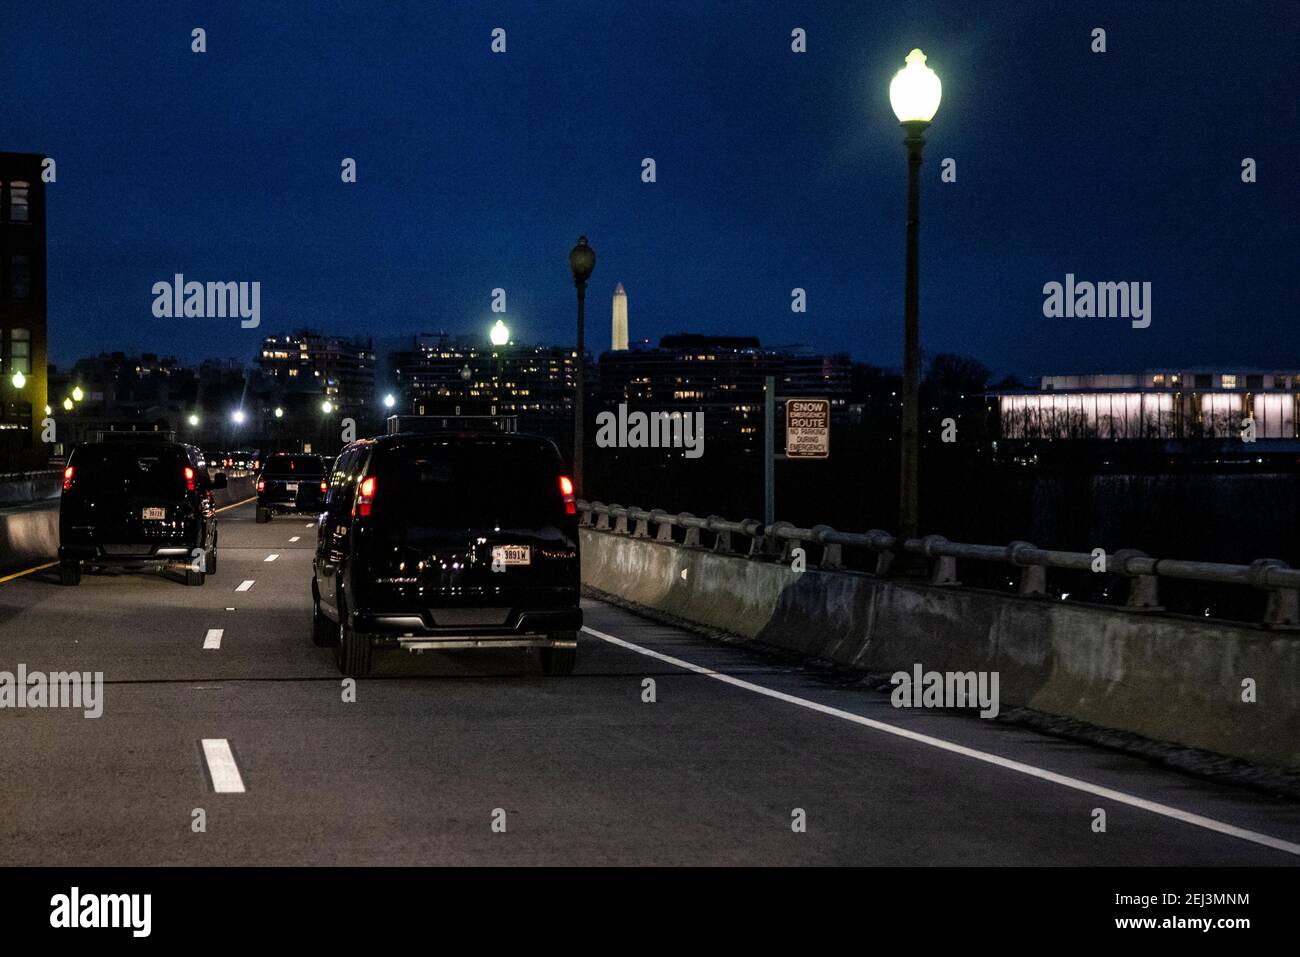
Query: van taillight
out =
(365, 496)
(189, 479)
(67, 477)
(261, 485)
(566, 489)
(322, 487)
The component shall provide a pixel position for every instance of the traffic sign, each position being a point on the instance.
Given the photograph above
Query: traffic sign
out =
(807, 428)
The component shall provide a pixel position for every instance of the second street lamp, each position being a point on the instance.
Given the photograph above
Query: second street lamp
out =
(582, 260)
(914, 94)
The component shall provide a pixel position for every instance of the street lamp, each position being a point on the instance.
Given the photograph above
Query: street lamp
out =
(67, 404)
(499, 335)
(19, 380)
(279, 412)
(389, 401)
(582, 260)
(327, 406)
(194, 419)
(914, 94)
(77, 394)
(237, 416)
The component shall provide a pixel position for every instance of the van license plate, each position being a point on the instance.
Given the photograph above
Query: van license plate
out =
(154, 514)
(513, 554)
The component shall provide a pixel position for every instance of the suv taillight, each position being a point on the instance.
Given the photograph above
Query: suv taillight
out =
(365, 496)
(261, 485)
(566, 489)
(67, 477)
(322, 487)
(189, 479)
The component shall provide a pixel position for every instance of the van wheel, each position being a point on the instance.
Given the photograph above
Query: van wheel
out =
(556, 662)
(352, 654)
(70, 571)
(194, 578)
(323, 632)
(263, 515)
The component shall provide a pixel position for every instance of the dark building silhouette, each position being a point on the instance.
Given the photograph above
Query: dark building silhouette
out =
(23, 383)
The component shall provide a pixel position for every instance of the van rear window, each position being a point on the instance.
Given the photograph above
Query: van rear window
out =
(294, 465)
(464, 485)
(140, 470)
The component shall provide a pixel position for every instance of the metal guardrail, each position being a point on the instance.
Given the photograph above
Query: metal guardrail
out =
(778, 541)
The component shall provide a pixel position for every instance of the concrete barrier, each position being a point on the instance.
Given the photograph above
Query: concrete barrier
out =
(1165, 677)
(29, 534)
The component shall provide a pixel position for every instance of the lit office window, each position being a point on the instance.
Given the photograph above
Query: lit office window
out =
(18, 211)
(1229, 382)
(20, 351)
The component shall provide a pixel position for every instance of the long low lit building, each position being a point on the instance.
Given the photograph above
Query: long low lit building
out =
(1189, 404)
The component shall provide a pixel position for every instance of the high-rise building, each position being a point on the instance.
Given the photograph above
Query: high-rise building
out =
(339, 369)
(618, 337)
(23, 382)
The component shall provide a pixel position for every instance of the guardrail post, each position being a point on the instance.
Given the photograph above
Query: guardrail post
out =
(642, 527)
(602, 519)
(1033, 578)
(664, 533)
(691, 536)
(831, 554)
(620, 519)
(1282, 607)
(722, 540)
(757, 533)
(945, 566)
(1144, 593)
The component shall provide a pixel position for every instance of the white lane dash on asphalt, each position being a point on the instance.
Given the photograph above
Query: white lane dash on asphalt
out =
(222, 767)
(212, 641)
(245, 585)
(1164, 810)
(295, 538)
(270, 558)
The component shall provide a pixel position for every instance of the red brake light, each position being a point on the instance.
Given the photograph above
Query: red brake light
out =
(261, 485)
(189, 479)
(365, 496)
(67, 477)
(566, 490)
(322, 487)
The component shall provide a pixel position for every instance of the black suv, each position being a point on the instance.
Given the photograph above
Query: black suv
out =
(290, 483)
(444, 541)
(137, 503)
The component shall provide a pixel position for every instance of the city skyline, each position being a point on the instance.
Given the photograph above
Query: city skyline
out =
(1080, 176)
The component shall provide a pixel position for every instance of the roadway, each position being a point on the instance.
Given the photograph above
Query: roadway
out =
(585, 771)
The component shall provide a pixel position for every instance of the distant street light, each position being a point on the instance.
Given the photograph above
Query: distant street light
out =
(67, 404)
(237, 416)
(914, 94)
(499, 335)
(77, 394)
(279, 412)
(389, 401)
(48, 410)
(194, 419)
(582, 260)
(327, 406)
(19, 380)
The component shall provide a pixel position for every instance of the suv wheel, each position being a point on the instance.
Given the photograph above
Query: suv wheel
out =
(194, 578)
(263, 515)
(352, 654)
(558, 661)
(70, 571)
(211, 558)
(323, 632)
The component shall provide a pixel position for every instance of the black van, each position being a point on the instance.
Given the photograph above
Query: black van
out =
(445, 541)
(138, 503)
(290, 483)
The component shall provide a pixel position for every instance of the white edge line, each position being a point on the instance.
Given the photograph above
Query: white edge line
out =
(245, 585)
(270, 558)
(222, 767)
(212, 641)
(1164, 810)
(295, 538)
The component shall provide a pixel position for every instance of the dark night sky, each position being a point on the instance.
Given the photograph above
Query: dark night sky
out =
(775, 170)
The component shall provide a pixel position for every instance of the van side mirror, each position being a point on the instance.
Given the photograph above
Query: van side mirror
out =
(219, 480)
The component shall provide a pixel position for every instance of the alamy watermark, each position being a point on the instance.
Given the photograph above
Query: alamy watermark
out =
(58, 689)
(946, 689)
(1100, 300)
(651, 430)
(214, 300)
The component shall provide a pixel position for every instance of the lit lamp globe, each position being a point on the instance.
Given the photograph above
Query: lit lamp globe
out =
(77, 394)
(194, 420)
(67, 404)
(238, 416)
(499, 335)
(915, 91)
(279, 412)
(19, 380)
(389, 401)
(327, 406)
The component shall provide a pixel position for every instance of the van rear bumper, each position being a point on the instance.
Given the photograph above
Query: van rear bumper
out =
(513, 628)
(129, 554)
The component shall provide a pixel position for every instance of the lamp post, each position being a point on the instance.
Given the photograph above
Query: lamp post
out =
(914, 94)
(582, 260)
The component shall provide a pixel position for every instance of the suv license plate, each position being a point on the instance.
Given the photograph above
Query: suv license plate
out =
(153, 514)
(513, 554)
(291, 487)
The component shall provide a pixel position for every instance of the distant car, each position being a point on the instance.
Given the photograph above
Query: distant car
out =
(138, 504)
(448, 541)
(290, 483)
